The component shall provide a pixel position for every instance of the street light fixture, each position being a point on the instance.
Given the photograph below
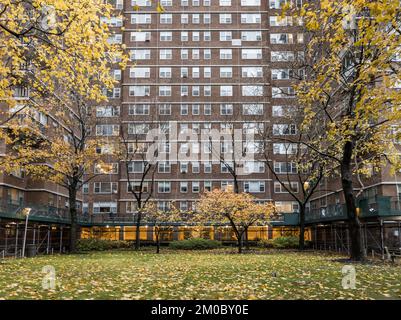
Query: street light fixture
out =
(25, 212)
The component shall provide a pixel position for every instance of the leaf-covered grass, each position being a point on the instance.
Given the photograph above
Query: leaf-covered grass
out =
(196, 275)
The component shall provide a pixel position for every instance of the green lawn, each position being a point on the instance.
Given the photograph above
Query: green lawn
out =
(196, 275)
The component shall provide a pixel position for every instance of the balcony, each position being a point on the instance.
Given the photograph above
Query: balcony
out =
(328, 213)
(285, 219)
(380, 206)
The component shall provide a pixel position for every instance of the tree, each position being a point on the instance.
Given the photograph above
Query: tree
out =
(353, 72)
(162, 221)
(140, 169)
(48, 43)
(240, 210)
(59, 53)
(302, 169)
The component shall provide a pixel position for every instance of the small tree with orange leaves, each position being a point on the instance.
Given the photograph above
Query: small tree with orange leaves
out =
(240, 210)
(162, 221)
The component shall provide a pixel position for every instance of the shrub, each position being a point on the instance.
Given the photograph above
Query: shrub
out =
(195, 244)
(288, 242)
(101, 245)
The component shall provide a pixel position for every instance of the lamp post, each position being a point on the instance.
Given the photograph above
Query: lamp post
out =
(26, 212)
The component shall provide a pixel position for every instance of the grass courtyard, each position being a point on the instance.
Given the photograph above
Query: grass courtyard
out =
(217, 274)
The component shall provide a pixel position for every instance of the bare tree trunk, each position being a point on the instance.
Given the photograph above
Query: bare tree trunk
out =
(246, 239)
(240, 244)
(353, 221)
(302, 227)
(138, 231)
(157, 241)
(72, 193)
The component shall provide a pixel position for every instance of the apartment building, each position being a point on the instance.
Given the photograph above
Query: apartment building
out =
(196, 65)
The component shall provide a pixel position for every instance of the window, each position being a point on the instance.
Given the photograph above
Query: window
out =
(252, 72)
(285, 167)
(252, 91)
(207, 167)
(113, 93)
(284, 148)
(250, 3)
(247, 54)
(136, 166)
(139, 91)
(195, 167)
(184, 18)
(282, 56)
(183, 205)
(206, 18)
(282, 74)
(135, 186)
(183, 167)
(226, 91)
(164, 187)
(225, 185)
(184, 72)
(184, 54)
(166, 36)
(141, 18)
(195, 18)
(254, 186)
(279, 188)
(225, 18)
(251, 35)
(195, 54)
(105, 187)
(166, 18)
(165, 72)
(252, 127)
(166, 54)
(85, 188)
(207, 36)
(107, 130)
(281, 38)
(139, 109)
(184, 36)
(226, 109)
(166, 3)
(207, 72)
(195, 72)
(207, 54)
(252, 109)
(225, 3)
(207, 185)
(277, 4)
(139, 72)
(254, 167)
(281, 111)
(195, 109)
(141, 3)
(163, 205)
(195, 186)
(107, 111)
(115, 38)
(165, 91)
(140, 36)
(250, 17)
(184, 187)
(207, 91)
(225, 35)
(138, 128)
(207, 109)
(283, 92)
(165, 109)
(164, 167)
(278, 21)
(184, 91)
(226, 54)
(105, 207)
(286, 206)
(195, 91)
(284, 129)
(195, 36)
(140, 54)
(184, 109)
(226, 72)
